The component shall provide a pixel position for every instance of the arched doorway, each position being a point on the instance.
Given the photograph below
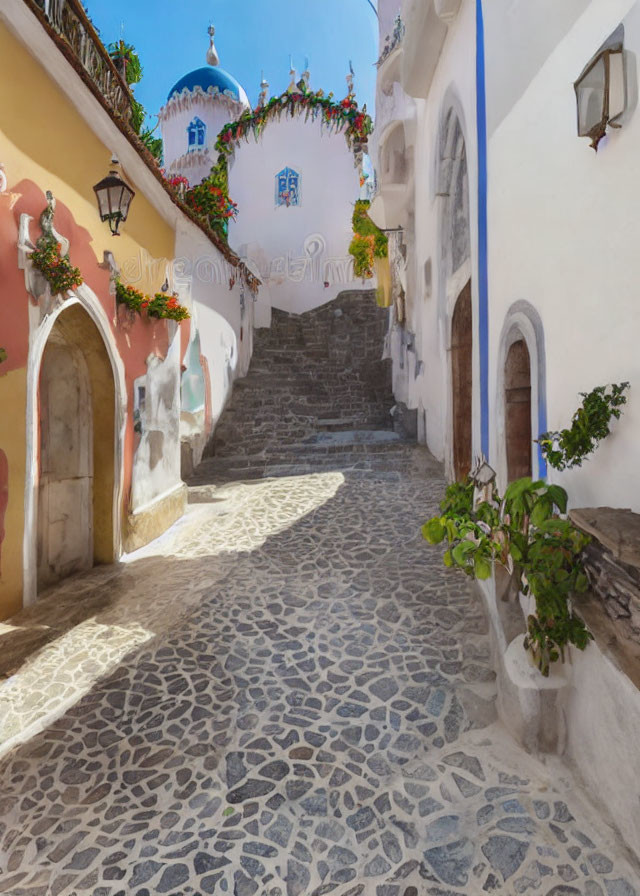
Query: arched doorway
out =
(462, 383)
(76, 399)
(517, 402)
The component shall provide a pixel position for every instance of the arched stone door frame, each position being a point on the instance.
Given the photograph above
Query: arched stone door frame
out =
(86, 298)
(522, 322)
(455, 261)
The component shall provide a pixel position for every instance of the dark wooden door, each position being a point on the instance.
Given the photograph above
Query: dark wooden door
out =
(517, 387)
(462, 382)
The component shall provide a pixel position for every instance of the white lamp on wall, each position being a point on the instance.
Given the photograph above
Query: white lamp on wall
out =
(601, 90)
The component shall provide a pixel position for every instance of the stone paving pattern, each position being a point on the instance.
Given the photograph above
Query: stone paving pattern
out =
(312, 710)
(322, 723)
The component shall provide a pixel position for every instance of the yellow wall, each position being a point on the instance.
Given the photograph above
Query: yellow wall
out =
(44, 139)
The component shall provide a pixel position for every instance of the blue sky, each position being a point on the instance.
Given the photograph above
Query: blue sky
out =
(251, 35)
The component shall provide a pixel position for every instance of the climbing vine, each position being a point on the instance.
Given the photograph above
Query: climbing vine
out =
(590, 424)
(368, 242)
(55, 267)
(160, 305)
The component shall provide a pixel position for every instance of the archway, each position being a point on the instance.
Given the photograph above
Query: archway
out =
(462, 383)
(76, 398)
(517, 404)
(455, 293)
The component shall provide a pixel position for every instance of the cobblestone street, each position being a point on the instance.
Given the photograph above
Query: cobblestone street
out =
(315, 715)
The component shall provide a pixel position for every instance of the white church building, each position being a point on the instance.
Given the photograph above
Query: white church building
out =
(295, 184)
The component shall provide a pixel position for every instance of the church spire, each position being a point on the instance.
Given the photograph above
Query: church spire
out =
(212, 53)
(264, 92)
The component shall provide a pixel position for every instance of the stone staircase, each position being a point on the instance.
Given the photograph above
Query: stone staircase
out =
(317, 397)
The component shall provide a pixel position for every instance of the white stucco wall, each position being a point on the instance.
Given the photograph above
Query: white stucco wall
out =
(563, 237)
(430, 301)
(214, 110)
(295, 249)
(221, 314)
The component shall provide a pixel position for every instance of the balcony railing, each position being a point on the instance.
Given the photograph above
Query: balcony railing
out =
(392, 40)
(70, 22)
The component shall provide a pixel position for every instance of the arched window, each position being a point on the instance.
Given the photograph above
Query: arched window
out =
(197, 132)
(287, 187)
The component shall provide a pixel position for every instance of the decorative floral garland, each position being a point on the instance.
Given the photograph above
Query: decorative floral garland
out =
(368, 242)
(56, 268)
(160, 305)
(345, 115)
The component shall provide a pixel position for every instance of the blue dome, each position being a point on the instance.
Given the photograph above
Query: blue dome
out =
(210, 76)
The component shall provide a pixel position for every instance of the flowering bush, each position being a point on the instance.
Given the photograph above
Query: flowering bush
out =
(368, 242)
(160, 305)
(178, 182)
(56, 268)
(210, 200)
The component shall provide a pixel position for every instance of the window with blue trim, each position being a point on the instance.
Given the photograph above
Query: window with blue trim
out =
(287, 187)
(197, 132)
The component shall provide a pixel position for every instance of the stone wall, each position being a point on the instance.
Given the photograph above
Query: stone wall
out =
(612, 562)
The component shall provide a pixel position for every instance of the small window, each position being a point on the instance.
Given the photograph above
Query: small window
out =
(601, 90)
(287, 187)
(197, 132)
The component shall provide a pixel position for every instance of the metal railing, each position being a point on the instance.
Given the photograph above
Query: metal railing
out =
(392, 40)
(71, 23)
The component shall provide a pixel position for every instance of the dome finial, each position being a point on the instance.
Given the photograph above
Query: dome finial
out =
(264, 93)
(293, 87)
(212, 53)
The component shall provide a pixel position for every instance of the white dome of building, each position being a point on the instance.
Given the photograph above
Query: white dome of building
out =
(197, 108)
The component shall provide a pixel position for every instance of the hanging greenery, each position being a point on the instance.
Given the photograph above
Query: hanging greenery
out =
(56, 268)
(127, 61)
(345, 115)
(160, 305)
(368, 242)
(3, 355)
(590, 424)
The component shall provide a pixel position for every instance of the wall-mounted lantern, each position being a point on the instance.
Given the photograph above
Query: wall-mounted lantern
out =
(601, 90)
(483, 477)
(114, 198)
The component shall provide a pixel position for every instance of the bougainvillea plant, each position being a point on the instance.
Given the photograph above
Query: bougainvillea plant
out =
(368, 242)
(55, 267)
(211, 202)
(160, 305)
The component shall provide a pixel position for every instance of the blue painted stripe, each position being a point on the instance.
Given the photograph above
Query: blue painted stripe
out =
(483, 277)
(542, 427)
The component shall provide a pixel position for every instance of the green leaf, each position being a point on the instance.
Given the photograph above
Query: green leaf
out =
(447, 559)
(559, 497)
(481, 567)
(228, 811)
(433, 531)
(541, 512)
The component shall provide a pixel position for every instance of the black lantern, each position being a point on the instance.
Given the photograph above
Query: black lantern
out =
(114, 198)
(601, 90)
